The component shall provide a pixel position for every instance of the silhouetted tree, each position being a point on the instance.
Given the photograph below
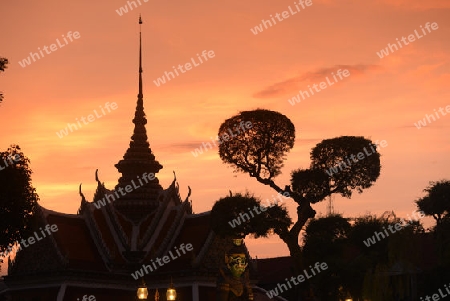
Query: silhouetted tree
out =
(345, 151)
(437, 201)
(18, 198)
(237, 215)
(3, 66)
(261, 149)
(368, 274)
(325, 240)
(357, 270)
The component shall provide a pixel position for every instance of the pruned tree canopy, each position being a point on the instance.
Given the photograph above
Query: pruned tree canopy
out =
(329, 228)
(236, 216)
(437, 201)
(353, 163)
(260, 150)
(338, 165)
(312, 185)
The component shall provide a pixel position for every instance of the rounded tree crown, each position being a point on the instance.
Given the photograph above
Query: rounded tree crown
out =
(256, 142)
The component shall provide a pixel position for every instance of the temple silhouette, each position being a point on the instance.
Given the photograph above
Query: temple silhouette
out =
(96, 251)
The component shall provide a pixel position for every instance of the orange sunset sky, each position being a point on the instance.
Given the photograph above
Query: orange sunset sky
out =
(381, 99)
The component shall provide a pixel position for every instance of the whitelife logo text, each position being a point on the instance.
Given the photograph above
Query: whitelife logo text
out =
(90, 118)
(33, 55)
(262, 208)
(300, 278)
(113, 194)
(12, 161)
(411, 38)
(284, 15)
(162, 80)
(398, 226)
(437, 297)
(355, 158)
(224, 137)
(323, 85)
(161, 261)
(31, 240)
(423, 122)
(124, 9)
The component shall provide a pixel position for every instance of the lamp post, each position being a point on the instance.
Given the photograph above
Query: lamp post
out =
(142, 291)
(171, 292)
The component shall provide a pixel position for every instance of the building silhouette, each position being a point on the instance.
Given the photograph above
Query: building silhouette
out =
(98, 250)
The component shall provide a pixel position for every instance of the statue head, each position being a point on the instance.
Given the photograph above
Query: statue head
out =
(236, 263)
(236, 259)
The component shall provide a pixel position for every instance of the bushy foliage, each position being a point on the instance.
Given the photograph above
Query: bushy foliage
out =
(18, 198)
(227, 210)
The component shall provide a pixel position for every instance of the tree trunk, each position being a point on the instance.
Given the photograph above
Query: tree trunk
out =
(304, 212)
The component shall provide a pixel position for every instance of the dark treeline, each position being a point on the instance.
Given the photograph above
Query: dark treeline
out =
(381, 258)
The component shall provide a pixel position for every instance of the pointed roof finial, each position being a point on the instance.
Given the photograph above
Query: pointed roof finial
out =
(140, 95)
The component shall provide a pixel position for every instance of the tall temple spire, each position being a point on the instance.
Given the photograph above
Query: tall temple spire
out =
(139, 158)
(140, 95)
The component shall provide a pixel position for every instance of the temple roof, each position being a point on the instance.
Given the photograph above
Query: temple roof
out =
(98, 240)
(100, 246)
